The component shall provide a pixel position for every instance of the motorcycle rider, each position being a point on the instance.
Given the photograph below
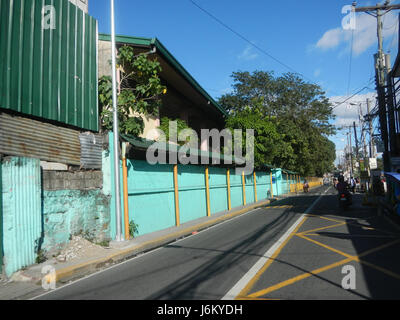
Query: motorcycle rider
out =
(343, 187)
(306, 186)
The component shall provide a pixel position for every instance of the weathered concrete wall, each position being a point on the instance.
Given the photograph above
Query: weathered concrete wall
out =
(41, 211)
(74, 212)
(74, 203)
(104, 65)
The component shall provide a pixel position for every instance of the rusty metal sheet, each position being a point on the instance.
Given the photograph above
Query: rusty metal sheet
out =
(34, 139)
(91, 150)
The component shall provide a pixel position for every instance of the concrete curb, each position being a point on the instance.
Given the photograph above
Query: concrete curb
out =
(75, 271)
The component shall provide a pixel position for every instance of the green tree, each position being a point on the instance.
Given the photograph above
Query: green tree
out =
(291, 119)
(140, 91)
(180, 126)
(268, 143)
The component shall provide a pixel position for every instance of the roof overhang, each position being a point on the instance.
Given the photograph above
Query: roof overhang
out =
(208, 157)
(174, 73)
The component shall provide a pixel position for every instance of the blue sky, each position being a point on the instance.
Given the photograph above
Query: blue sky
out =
(305, 35)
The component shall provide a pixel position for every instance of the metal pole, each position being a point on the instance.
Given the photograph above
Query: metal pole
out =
(371, 143)
(117, 186)
(351, 154)
(356, 140)
(362, 122)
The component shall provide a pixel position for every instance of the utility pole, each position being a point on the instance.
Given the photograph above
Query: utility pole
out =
(379, 11)
(351, 151)
(370, 128)
(391, 109)
(356, 140)
(364, 145)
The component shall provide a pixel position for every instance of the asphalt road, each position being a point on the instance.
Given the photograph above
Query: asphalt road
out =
(204, 266)
(307, 265)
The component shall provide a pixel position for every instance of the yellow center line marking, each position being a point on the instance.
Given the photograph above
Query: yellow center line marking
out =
(256, 299)
(325, 218)
(320, 270)
(298, 278)
(322, 228)
(326, 246)
(354, 236)
(252, 282)
(346, 223)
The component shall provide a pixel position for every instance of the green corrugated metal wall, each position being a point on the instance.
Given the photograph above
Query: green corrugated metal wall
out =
(49, 73)
(1, 218)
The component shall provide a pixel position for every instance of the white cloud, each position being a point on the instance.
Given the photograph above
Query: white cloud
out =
(365, 34)
(248, 54)
(330, 39)
(348, 112)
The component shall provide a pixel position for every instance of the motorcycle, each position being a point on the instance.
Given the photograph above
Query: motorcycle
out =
(345, 199)
(306, 188)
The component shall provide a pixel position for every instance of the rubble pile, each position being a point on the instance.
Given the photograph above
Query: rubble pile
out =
(77, 248)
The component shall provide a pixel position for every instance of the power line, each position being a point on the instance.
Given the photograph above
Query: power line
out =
(260, 49)
(341, 103)
(394, 36)
(351, 61)
(250, 42)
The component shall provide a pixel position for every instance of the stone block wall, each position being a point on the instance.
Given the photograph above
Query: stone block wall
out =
(82, 180)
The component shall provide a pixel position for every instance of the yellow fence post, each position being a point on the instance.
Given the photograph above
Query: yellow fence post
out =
(255, 186)
(176, 195)
(244, 188)
(228, 181)
(298, 182)
(126, 198)
(287, 181)
(272, 186)
(207, 193)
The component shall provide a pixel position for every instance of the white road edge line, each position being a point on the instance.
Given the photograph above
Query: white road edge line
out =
(235, 291)
(141, 255)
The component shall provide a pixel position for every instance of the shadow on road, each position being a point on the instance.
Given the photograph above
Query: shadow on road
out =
(373, 238)
(189, 286)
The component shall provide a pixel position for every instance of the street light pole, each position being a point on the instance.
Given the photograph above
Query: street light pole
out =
(117, 186)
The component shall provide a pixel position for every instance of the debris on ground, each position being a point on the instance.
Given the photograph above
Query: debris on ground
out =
(79, 247)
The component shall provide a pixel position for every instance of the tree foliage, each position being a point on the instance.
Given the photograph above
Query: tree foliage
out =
(291, 119)
(180, 126)
(140, 91)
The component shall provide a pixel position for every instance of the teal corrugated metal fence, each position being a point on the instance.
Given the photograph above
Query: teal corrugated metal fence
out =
(22, 223)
